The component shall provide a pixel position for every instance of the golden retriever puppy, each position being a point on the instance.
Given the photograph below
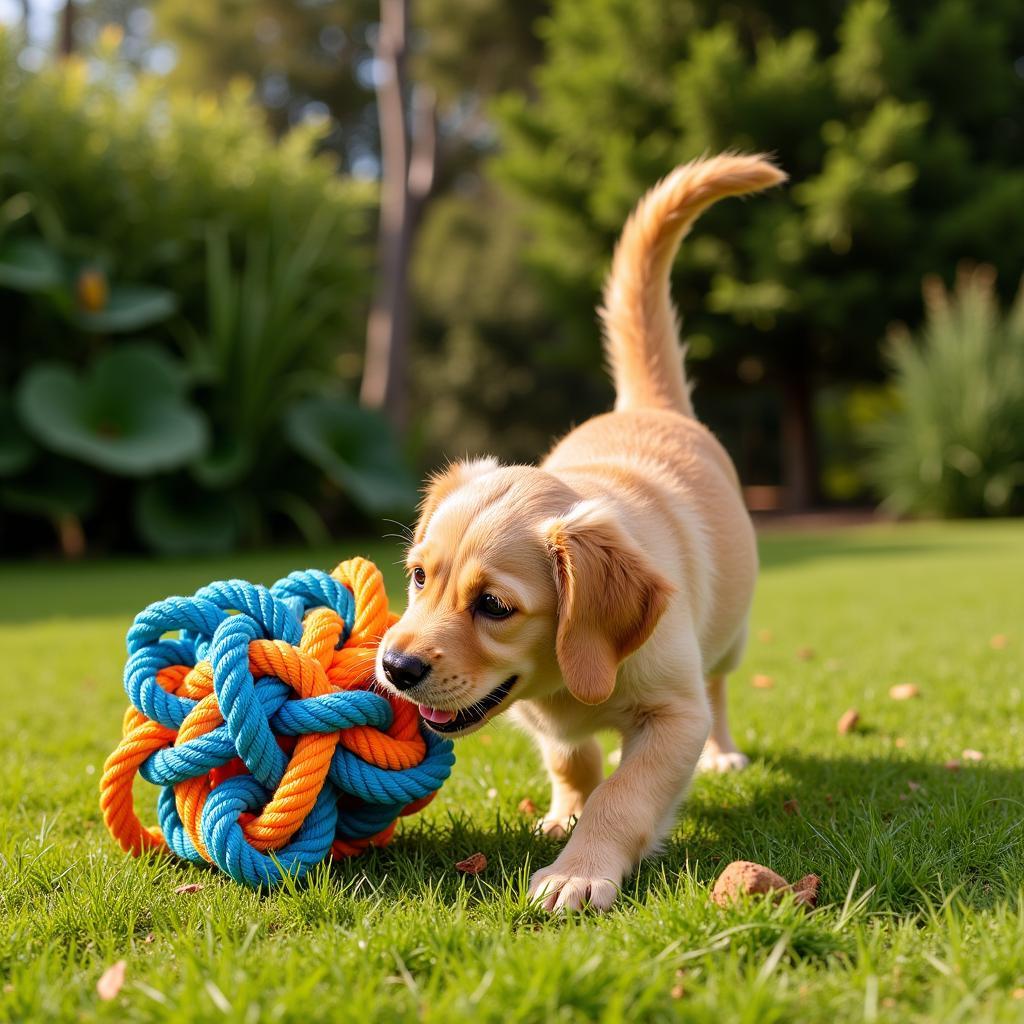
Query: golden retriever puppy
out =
(607, 589)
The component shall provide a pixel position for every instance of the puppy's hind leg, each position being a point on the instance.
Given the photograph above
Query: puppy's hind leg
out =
(720, 752)
(575, 773)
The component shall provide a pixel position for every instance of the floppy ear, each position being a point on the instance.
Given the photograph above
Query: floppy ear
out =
(610, 598)
(442, 483)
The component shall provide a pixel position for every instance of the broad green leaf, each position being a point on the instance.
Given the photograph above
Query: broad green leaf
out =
(129, 308)
(127, 415)
(16, 450)
(30, 265)
(355, 448)
(175, 518)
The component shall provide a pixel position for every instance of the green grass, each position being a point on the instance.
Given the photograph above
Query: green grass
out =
(922, 915)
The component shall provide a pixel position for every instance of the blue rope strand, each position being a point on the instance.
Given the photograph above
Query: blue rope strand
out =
(217, 624)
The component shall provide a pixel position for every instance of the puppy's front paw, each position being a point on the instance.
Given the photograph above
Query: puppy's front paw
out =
(573, 885)
(721, 761)
(556, 827)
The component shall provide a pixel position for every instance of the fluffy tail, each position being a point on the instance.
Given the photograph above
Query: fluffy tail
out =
(641, 328)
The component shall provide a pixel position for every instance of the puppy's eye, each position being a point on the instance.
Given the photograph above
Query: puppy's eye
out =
(419, 577)
(493, 607)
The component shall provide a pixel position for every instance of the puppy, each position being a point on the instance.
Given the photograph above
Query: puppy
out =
(607, 589)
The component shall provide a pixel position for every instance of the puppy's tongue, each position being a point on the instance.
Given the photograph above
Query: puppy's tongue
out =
(435, 714)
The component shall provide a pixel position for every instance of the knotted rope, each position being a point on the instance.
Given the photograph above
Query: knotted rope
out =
(261, 722)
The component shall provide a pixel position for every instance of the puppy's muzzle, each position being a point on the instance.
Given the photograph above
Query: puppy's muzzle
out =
(404, 671)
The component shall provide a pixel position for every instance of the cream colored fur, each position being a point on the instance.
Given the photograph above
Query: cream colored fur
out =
(629, 560)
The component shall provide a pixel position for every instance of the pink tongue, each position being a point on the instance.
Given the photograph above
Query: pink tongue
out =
(435, 714)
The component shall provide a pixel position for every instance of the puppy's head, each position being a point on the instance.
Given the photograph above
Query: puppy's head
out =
(515, 586)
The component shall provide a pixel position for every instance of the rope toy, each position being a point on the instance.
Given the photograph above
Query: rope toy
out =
(261, 723)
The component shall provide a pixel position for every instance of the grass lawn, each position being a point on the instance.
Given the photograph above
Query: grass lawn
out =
(922, 902)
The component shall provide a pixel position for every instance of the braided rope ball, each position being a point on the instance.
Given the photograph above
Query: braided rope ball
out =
(260, 722)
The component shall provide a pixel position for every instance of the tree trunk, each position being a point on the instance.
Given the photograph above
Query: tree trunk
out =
(408, 160)
(799, 443)
(67, 29)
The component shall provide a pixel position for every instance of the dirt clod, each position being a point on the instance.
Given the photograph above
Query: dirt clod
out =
(762, 682)
(188, 887)
(805, 891)
(744, 877)
(848, 722)
(472, 865)
(791, 806)
(527, 806)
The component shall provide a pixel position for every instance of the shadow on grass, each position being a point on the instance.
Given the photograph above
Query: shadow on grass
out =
(911, 831)
(782, 550)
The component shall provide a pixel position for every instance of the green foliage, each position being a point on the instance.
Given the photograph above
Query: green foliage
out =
(175, 518)
(127, 416)
(125, 206)
(355, 448)
(490, 354)
(899, 125)
(296, 54)
(955, 445)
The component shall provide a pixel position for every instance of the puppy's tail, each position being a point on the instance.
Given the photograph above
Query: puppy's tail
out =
(641, 328)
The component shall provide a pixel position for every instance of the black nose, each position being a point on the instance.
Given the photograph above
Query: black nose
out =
(404, 671)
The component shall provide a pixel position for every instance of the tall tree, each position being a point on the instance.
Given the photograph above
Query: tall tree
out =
(901, 127)
(408, 156)
(460, 51)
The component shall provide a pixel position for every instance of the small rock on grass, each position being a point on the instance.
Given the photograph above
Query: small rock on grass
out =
(904, 691)
(999, 642)
(472, 865)
(111, 981)
(744, 877)
(187, 888)
(762, 682)
(527, 806)
(848, 722)
(972, 755)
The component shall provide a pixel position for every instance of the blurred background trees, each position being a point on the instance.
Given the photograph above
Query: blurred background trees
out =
(191, 201)
(900, 165)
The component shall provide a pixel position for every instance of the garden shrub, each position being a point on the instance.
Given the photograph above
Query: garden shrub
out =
(178, 230)
(954, 446)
